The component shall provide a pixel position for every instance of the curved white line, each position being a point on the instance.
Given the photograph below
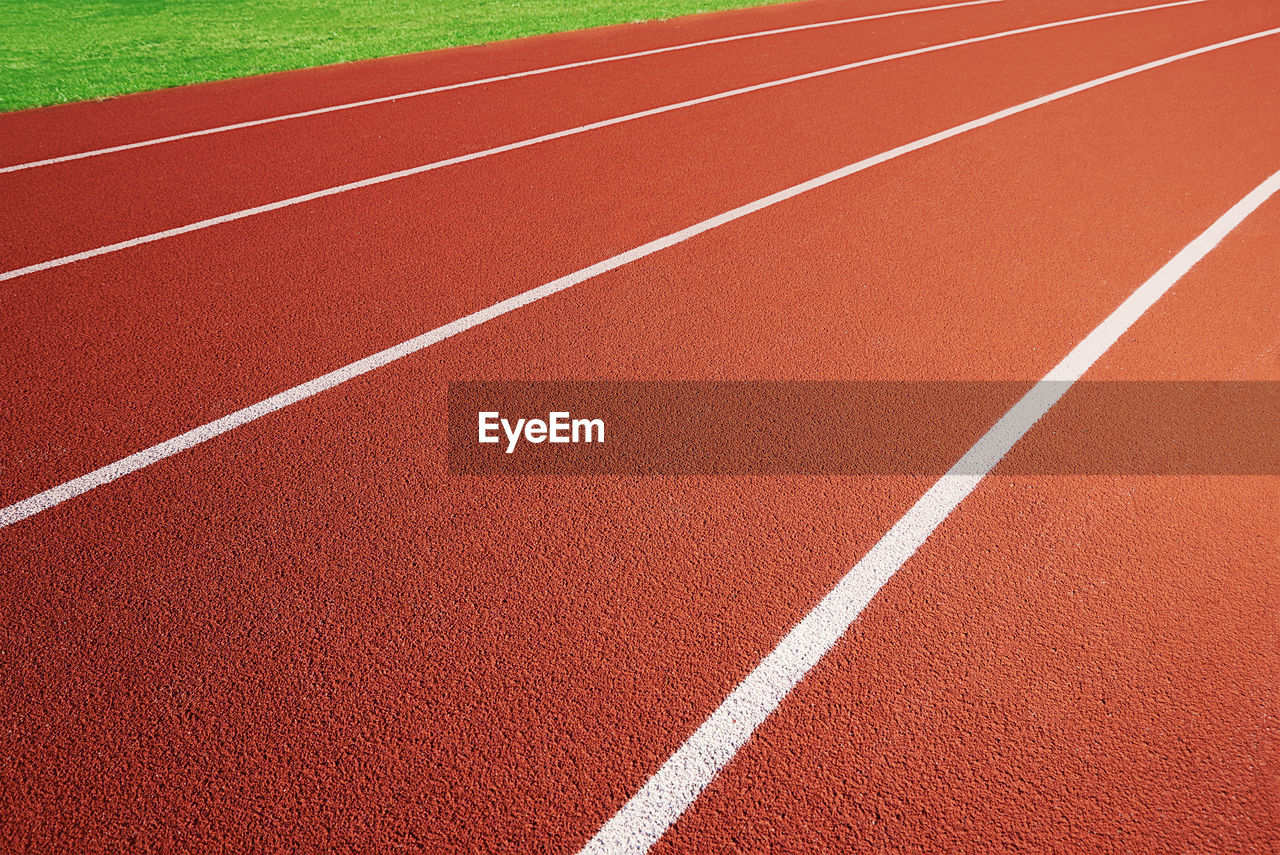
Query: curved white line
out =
(677, 784)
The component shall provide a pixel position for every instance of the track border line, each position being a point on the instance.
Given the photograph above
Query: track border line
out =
(106, 474)
(255, 210)
(676, 785)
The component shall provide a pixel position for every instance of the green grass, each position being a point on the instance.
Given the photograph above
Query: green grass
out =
(70, 50)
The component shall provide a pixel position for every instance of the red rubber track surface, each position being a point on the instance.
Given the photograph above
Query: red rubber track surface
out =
(1099, 675)
(143, 344)
(305, 634)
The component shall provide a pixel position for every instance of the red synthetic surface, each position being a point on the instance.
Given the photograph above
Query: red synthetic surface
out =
(151, 342)
(305, 634)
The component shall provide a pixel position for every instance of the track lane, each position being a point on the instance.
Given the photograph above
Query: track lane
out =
(149, 114)
(483, 81)
(1069, 663)
(72, 207)
(159, 350)
(59, 129)
(79, 205)
(427, 619)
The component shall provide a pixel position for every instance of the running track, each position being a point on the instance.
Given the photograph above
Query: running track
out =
(303, 633)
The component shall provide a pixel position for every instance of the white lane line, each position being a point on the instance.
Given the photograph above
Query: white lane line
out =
(483, 81)
(604, 123)
(77, 486)
(683, 777)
